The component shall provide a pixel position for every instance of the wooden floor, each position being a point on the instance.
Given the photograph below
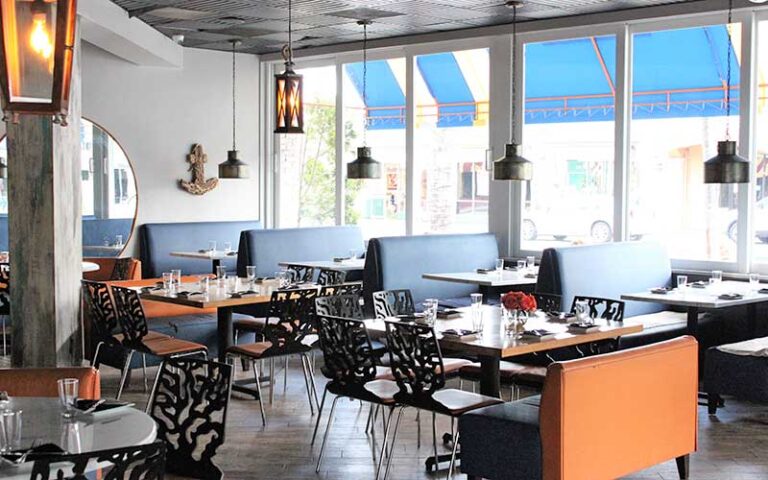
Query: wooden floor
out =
(732, 446)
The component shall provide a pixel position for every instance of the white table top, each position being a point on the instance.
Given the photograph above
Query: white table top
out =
(506, 279)
(702, 297)
(217, 255)
(42, 423)
(346, 265)
(91, 267)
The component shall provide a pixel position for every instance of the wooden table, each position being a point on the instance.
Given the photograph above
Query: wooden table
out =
(42, 423)
(346, 265)
(694, 299)
(224, 304)
(493, 279)
(494, 344)
(215, 257)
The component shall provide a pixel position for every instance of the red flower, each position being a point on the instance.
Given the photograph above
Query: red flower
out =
(519, 301)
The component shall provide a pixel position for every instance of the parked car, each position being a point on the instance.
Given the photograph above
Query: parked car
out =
(568, 221)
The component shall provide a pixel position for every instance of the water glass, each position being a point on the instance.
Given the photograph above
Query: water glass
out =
(212, 246)
(250, 274)
(352, 254)
(717, 276)
(10, 430)
(221, 274)
(68, 389)
(227, 247)
(204, 284)
(70, 437)
(167, 281)
(531, 260)
(176, 278)
(521, 264)
(581, 309)
(754, 281)
(499, 265)
(477, 319)
(682, 282)
(118, 240)
(477, 300)
(430, 311)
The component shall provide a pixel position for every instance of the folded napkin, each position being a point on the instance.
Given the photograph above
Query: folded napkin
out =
(757, 347)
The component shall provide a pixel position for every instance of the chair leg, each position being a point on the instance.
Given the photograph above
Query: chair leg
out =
(311, 379)
(325, 435)
(124, 376)
(261, 397)
(285, 376)
(453, 455)
(392, 447)
(144, 369)
(271, 380)
(94, 359)
(319, 415)
(418, 428)
(155, 383)
(306, 384)
(713, 401)
(683, 466)
(370, 417)
(384, 443)
(434, 438)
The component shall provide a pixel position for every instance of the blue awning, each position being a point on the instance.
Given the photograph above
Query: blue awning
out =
(385, 105)
(455, 104)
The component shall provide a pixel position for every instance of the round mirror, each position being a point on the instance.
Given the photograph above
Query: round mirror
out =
(109, 197)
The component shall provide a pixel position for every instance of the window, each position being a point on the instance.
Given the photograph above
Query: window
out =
(568, 134)
(307, 180)
(451, 141)
(678, 116)
(760, 215)
(377, 206)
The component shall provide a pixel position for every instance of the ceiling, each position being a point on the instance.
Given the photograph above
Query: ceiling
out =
(262, 25)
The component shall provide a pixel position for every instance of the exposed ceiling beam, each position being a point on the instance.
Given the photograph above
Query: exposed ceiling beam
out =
(104, 24)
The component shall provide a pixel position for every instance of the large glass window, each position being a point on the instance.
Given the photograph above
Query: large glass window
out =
(307, 180)
(760, 218)
(378, 206)
(568, 134)
(678, 116)
(451, 141)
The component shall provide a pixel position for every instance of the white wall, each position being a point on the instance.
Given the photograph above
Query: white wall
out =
(157, 113)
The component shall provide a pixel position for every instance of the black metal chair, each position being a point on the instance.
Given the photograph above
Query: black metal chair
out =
(548, 302)
(289, 330)
(142, 462)
(350, 288)
(417, 366)
(136, 335)
(350, 365)
(329, 276)
(604, 308)
(300, 273)
(189, 403)
(390, 303)
(344, 306)
(5, 303)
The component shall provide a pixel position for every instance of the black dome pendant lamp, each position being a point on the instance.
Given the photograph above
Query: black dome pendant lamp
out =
(364, 166)
(512, 166)
(727, 166)
(233, 167)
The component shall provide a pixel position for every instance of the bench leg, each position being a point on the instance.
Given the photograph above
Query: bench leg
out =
(713, 401)
(683, 466)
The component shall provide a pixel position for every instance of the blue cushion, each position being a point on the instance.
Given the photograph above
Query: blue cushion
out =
(606, 270)
(265, 249)
(399, 262)
(158, 240)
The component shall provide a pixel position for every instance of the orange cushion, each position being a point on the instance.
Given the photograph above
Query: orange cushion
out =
(107, 266)
(41, 382)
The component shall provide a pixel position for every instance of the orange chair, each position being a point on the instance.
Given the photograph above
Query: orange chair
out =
(598, 418)
(41, 382)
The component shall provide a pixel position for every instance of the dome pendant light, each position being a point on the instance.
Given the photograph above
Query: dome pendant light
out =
(364, 166)
(233, 167)
(727, 166)
(512, 166)
(289, 90)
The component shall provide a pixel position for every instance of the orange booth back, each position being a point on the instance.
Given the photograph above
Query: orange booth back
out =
(41, 382)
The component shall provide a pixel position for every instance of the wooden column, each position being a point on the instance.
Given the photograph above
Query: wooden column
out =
(45, 233)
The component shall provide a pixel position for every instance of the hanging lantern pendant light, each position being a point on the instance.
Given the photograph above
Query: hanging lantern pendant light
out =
(364, 166)
(233, 167)
(727, 166)
(289, 90)
(512, 166)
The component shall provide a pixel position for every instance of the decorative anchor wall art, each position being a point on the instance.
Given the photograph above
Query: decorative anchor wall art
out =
(199, 185)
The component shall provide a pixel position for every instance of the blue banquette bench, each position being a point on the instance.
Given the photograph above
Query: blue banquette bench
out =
(612, 269)
(158, 240)
(265, 249)
(398, 263)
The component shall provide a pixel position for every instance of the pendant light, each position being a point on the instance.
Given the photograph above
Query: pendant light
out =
(512, 166)
(233, 167)
(364, 166)
(289, 90)
(727, 166)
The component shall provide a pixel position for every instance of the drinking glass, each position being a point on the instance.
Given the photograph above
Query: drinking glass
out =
(581, 309)
(167, 281)
(682, 281)
(68, 388)
(499, 265)
(70, 437)
(10, 430)
(754, 281)
(430, 311)
(250, 274)
(176, 279)
(227, 247)
(204, 283)
(212, 246)
(118, 240)
(717, 276)
(221, 275)
(531, 260)
(521, 264)
(477, 300)
(352, 254)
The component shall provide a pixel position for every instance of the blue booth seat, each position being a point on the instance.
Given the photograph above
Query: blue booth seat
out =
(158, 240)
(265, 249)
(399, 262)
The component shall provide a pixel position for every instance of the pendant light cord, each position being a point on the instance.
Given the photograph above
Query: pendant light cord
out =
(365, 81)
(512, 132)
(289, 60)
(728, 74)
(234, 116)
